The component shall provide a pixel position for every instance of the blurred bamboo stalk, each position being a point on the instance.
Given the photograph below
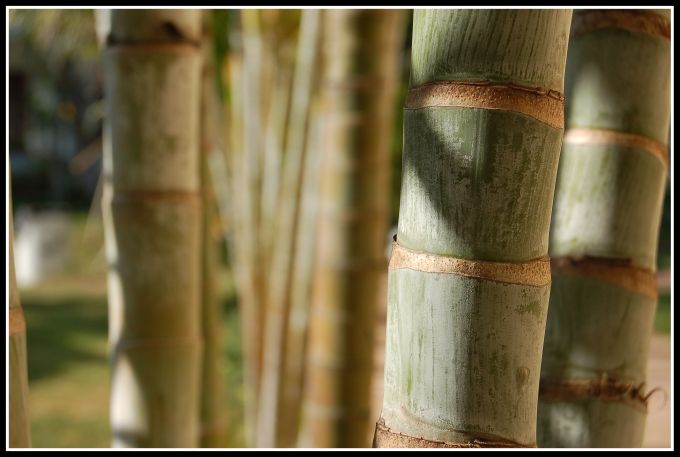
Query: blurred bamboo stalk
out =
(604, 236)
(213, 418)
(241, 239)
(19, 424)
(152, 221)
(270, 428)
(300, 289)
(361, 51)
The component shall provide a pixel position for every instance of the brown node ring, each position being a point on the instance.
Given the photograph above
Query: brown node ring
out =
(534, 273)
(546, 106)
(631, 20)
(591, 136)
(17, 323)
(386, 438)
(619, 272)
(602, 388)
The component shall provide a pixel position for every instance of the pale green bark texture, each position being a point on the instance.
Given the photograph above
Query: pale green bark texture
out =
(152, 213)
(463, 353)
(361, 50)
(607, 209)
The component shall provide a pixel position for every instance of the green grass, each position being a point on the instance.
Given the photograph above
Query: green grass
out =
(68, 366)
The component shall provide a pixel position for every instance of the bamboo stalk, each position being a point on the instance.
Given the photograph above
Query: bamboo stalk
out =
(468, 281)
(298, 315)
(241, 241)
(278, 294)
(604, 233)
(360, 55)
(152, 215)
(19, 418)
(213, 422)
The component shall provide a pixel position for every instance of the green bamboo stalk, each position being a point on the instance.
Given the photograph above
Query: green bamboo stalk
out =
(269, 428)
(604, 233)
(241, 242)
(213, 421)
(19, 423)
(152, 215)
(360, 59)
(468, 278)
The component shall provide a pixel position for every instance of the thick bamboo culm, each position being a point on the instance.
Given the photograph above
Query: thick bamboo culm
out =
(469, 280)
(360, 54)
(19, 424)
(604, 233)
(152, 210)
(213, 426)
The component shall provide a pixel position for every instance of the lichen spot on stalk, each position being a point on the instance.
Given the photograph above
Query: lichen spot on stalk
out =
(522, 377)
(533, 307)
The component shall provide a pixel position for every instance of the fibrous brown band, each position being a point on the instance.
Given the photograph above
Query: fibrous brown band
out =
(616, 271)
(546, 106)
(17, 323)
(535, 273)
(386, 438)
(615, 138)
(603, 388)
(633, 21)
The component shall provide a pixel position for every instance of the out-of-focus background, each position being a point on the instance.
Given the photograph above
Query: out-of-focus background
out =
(55, 148)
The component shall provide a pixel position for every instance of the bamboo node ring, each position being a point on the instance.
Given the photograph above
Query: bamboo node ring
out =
(544, 105)
(534, 273)
(17, 322)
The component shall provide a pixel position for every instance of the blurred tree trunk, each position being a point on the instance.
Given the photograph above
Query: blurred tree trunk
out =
(604, 235)
(19, 424)
(213, 421)
(152, 213)
(469, 278)
(361, 50)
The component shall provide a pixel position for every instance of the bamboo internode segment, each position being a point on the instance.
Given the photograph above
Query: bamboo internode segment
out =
(544, 105)
(535, 273)
(17, 323)
(635, 21)
(617, 271)
(594, 136)
(603, 388)
(386, 438)
(133, 343)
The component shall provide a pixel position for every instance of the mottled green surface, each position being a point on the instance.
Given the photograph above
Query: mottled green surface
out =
(462, 355)
(608, 203)
(619, 80)
(477, 184)
(526, 47)
(596, 327)
(589, 423)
